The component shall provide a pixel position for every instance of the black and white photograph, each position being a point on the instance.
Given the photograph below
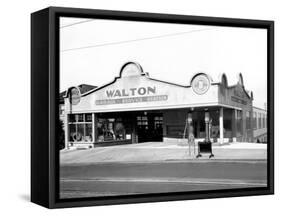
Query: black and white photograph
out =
(152, 108)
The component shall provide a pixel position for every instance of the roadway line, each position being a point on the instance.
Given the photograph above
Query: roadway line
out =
(201, 160)
(171, 180)
(183, 147)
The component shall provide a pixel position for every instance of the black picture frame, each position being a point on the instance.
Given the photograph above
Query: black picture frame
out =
(45, 99)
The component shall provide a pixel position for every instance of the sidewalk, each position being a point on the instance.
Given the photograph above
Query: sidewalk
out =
(163, 152)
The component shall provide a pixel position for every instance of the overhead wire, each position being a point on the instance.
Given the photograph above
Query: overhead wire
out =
(76, 23)
(135, 40)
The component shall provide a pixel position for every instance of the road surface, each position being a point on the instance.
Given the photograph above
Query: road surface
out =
(109, 179)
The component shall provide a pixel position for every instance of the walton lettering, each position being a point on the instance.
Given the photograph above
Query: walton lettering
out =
(131, 92)
(131, 95)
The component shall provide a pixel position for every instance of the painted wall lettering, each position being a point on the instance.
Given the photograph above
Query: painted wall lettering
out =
(132, 100)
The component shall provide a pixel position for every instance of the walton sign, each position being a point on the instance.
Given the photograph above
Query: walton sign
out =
(131, 95)
(131, 92)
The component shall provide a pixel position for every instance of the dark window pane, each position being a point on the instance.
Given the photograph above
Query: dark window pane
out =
(80, 132)
(71, 118)
(119, 131)
(72, 132)
(80, 117)
(88, 117)
(88, 132)
(239, 122)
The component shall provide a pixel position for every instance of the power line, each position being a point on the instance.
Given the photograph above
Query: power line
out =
(72, 24)
(134, 40)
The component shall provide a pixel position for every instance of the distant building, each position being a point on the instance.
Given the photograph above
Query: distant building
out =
(136, 108)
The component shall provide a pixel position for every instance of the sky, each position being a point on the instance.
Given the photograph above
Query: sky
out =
(92, 51)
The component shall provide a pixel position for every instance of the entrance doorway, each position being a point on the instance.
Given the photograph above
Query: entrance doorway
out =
(150, 127)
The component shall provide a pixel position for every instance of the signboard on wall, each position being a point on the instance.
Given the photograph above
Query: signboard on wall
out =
(132, 100)
(239, 96)
(238, 100)
(131, 95)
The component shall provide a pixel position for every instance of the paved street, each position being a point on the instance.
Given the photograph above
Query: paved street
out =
(89, 180)
(156, 167)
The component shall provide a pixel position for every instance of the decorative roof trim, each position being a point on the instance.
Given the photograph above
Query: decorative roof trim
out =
(212, 82)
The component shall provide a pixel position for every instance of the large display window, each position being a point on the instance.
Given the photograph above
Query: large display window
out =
(112, 129)
(80, 128)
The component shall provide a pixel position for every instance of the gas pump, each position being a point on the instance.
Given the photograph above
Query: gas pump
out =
(189, 132)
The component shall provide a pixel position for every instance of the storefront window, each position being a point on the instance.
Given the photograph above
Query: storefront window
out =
(248, 120)
(88, 132)
(227, 122)
(88, 117)
(254, 120)
(80, 132)
(111, 129)
(71, 118)
(260, 126)
(239, 122)
(80, 117)
(72, 132)
(142, 120)
(215, 128)
(158, 122)
(80, 127)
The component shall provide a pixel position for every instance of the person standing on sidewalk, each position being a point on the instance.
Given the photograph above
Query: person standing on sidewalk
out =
(191, 139)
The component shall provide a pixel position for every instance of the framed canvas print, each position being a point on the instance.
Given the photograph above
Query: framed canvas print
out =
(139, 107)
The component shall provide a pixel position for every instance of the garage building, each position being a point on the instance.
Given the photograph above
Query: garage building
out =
(136, 108)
